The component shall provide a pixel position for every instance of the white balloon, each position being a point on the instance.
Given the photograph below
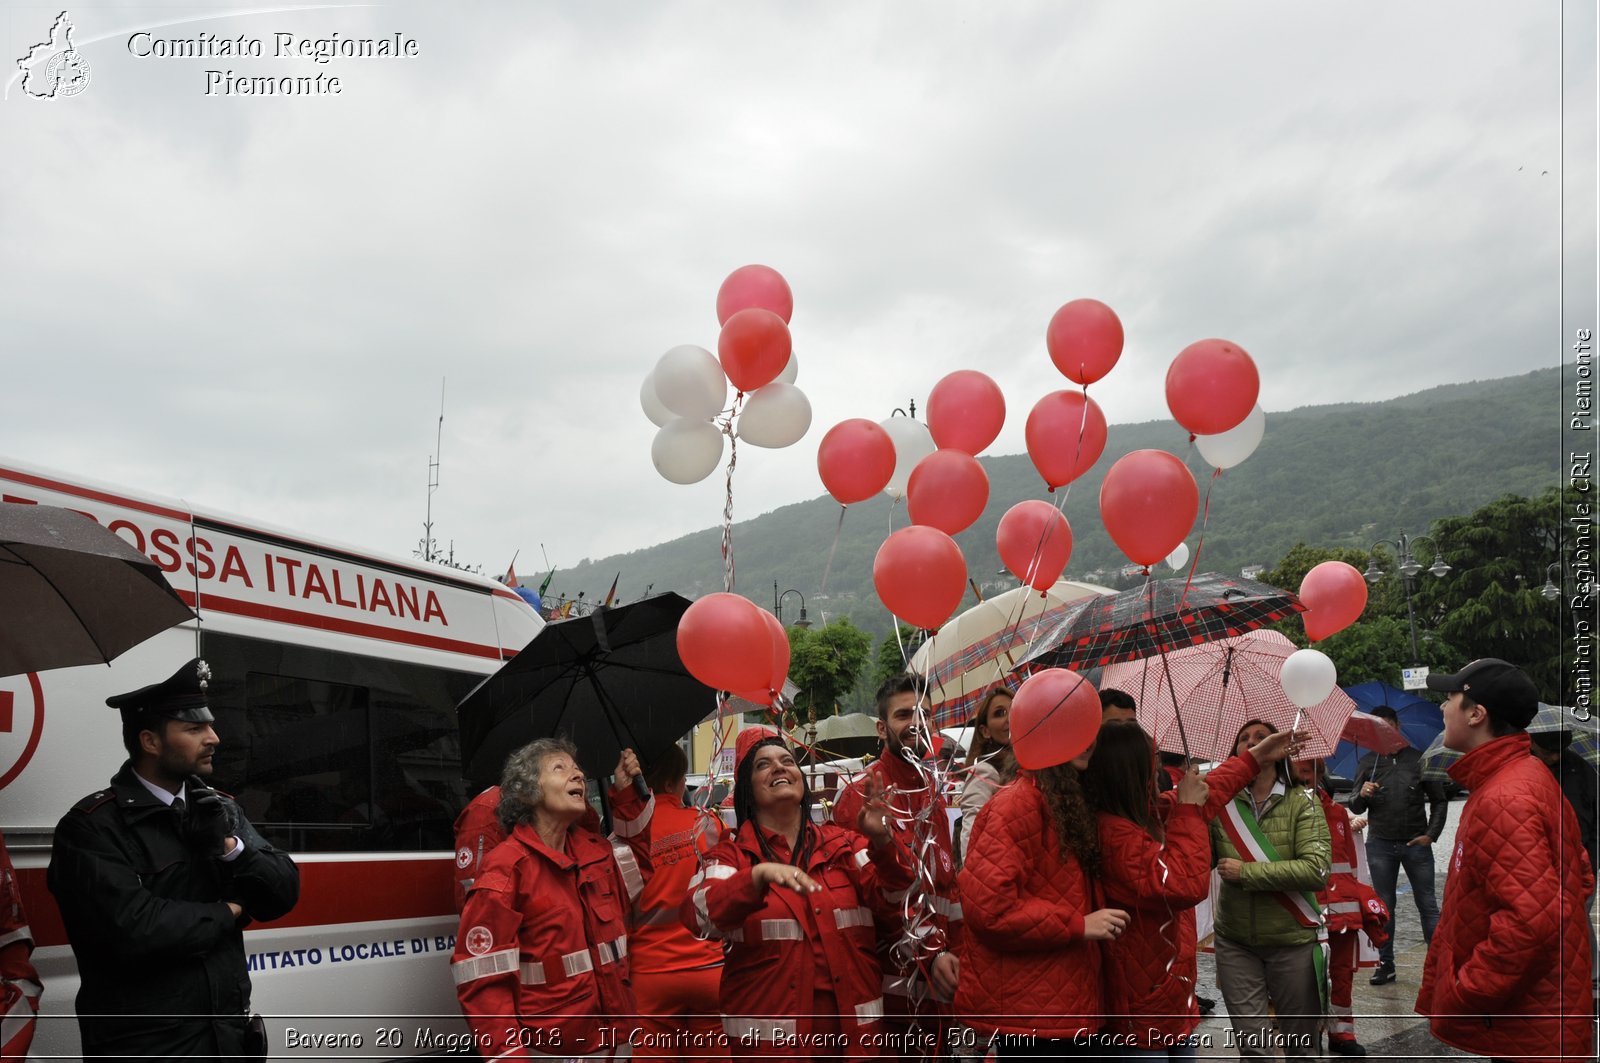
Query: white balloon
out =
(689, 382)
(686, 451)
(1308, 677)
(791, 369)
(1227, 449)
(659, 415)
(1179, 557)
(775, 416)
(912, 443)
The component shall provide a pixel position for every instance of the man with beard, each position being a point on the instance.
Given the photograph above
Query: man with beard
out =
(920, 972)
(156, 877)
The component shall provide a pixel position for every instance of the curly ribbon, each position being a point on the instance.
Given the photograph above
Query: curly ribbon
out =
(727, 507)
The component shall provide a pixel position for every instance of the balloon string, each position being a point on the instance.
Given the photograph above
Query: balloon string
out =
(727, 507)
(1205, 519)
(827, 570)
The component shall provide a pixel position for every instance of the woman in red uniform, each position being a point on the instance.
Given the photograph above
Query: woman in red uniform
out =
(541, 959)
(794, 901)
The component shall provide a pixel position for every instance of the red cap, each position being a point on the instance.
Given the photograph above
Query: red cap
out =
(748, 737)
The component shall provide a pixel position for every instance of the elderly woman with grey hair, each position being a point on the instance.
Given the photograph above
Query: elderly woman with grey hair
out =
(541, 958)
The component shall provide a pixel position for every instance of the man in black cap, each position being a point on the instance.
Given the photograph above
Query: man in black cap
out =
(1391, 791)
(1508, 971)
(156, 877)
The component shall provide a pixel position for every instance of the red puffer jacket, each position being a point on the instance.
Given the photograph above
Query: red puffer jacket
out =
(541, 958)
(1150, 969)
(19, 982)
(908, 991)
(1508, 969)
(783, 947)
(1025, 965)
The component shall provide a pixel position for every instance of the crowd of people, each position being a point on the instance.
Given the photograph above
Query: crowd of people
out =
(1059, 922)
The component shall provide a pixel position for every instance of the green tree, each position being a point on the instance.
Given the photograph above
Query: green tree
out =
(889, 661)
(826, 662)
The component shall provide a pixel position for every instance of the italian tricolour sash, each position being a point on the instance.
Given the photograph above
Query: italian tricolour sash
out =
(1253, 846)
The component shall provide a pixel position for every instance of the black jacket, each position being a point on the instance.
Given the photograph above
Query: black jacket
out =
(1395, 812)
(161, 956)
(1580, 783)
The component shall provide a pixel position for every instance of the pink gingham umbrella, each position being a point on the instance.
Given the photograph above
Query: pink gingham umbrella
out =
(1219, 687)
(1374, 733)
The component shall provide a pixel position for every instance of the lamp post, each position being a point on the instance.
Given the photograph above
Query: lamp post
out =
(777, 605)
(1550, 590)
(1409, 568)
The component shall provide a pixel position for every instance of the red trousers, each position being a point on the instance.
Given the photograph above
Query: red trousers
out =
(679, 1015)
(1342, 958)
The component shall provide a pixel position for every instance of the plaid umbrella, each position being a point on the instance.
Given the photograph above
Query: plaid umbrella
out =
(1161, 615)
(976, 650)
(1373, 732)
(1585, 733)
(1220, 686)
(1436, 761)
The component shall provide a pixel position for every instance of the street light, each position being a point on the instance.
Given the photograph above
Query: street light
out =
(1550, 591)
(1409, 568)
(777, 605)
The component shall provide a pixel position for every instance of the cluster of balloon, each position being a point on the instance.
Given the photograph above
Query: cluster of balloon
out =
(686, 394)
(1054, 718)
(1066, 430)
(1334, 594)
(729, 643)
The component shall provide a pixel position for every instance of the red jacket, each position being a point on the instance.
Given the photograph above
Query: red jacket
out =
(19, 982)
(1150, 969)
(1348, 904)
(541, 958)
(784, 947)
(680, 835)
(907, 989)
(1025, 964)
(1508, 970)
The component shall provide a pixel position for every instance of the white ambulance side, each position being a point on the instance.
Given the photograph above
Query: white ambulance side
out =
(336, 673)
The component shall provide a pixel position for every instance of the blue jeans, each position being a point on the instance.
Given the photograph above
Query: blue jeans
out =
(1386, 858)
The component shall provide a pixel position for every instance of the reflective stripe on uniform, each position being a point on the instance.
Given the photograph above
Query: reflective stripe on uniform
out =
(711, 871)
(628, 864)
(21, 933)
(476, 967)
(1342, 906)
(572, 965)
(629, 828)
(751, 1030)
(848, 917)
(862, 859)
(869, 1012)
(656, 917)
(1341, 869)
(781, 930)
(947, 908)
(612, 951)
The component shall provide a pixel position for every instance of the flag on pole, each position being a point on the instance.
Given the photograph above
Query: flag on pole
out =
(546, 584)
(611, 595)
(511, 576)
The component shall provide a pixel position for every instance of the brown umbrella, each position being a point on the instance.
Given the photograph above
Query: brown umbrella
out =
(73, 592)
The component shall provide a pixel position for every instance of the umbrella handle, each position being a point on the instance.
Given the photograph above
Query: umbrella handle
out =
(641, 787)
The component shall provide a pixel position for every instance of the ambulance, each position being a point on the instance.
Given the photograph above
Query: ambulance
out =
(335, 676)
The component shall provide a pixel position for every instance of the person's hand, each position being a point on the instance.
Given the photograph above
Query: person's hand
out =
(873, 820)
(208, 819)
(772, 874)
(1421, 839)
(1278, 745)
(1369, 788)
(945, 973)
(1358, 823)
(627, 769)
(1230, 869)
(1107, 924)
(237, 910)
(1192, 790)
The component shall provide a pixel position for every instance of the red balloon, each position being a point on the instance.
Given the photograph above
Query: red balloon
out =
(855, 460)
(1066, 435)
(1085, 340)
(754, 346)
(947, 490)
(1334, 594)
(1148, 502)
(1035, 542)
(1212, 386)
(965, 411)
(758, 286)
(920, 575)
(725, 643)
(1054, 718)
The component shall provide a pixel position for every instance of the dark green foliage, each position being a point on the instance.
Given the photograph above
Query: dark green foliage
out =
(826, 662)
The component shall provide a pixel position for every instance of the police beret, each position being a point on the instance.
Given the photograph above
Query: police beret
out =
(181, 696)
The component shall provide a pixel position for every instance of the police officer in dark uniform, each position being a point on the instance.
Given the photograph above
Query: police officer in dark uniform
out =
(156, 877)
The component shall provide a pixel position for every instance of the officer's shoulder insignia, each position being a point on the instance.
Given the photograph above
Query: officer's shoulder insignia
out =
(94, 801)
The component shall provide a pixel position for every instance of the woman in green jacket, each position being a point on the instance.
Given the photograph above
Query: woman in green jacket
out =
(1272, 852)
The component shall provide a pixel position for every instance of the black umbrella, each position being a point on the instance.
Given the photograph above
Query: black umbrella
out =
(608, 681)
(1164, 614)
(74, 593)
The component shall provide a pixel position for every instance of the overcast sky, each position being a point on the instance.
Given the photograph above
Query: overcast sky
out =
(251, 303)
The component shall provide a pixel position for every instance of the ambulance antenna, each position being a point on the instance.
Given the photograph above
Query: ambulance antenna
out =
(433, 479)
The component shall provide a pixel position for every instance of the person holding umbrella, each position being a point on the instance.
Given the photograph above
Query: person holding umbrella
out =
(1391, 791)
(795, 904)
(541, 957)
